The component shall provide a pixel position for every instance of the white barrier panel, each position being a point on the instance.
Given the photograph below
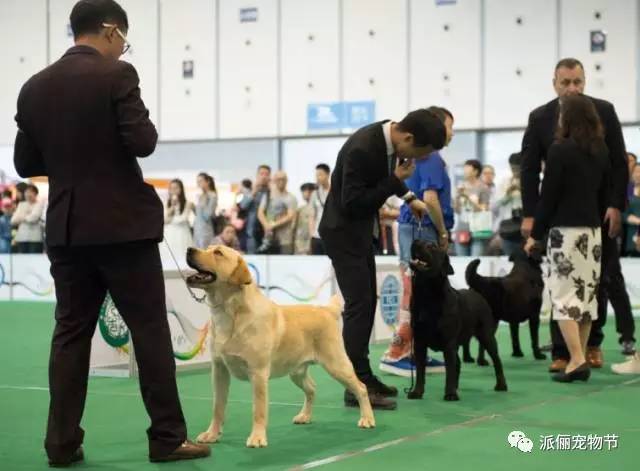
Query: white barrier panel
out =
(284, 279)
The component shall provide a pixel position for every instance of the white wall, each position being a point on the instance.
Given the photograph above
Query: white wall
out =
(490, 61)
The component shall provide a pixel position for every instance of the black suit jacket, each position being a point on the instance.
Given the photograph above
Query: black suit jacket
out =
(360, 184)
(539, 136)
(82, 124)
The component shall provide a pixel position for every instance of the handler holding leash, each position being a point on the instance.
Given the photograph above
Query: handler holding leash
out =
(82, 123)
(372, 165)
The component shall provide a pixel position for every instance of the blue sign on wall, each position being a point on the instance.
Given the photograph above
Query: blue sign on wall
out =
(323, 116)
(359, 113)
(340, 115)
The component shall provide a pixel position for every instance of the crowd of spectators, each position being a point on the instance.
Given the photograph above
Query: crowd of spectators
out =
(483, 216)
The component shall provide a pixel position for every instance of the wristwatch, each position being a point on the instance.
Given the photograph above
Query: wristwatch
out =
(409, 197)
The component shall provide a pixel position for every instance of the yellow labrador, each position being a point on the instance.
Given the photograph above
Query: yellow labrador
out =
(255, 339)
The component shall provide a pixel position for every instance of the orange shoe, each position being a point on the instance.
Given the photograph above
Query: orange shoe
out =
(595, 357)
(558, 365)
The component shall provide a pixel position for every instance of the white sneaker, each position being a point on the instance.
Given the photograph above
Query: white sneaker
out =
(629, 367)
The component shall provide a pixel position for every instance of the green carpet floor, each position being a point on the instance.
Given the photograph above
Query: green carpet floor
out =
(428, 434)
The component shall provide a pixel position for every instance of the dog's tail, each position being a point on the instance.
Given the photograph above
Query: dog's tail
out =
(474, 280)
(335, 305)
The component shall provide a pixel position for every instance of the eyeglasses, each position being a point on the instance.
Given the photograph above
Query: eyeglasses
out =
(127, 44)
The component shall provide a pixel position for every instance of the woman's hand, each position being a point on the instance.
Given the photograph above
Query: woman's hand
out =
(530, 245)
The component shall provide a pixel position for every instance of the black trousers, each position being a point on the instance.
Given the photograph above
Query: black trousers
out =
(356, 277)
(317, 247)
(612, 288)
(132, 274)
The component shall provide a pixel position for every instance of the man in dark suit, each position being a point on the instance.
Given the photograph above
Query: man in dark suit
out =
(570, 80)
(82, 123)
(372, 166)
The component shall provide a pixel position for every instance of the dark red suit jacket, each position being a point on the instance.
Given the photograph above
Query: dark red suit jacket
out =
(83, 124)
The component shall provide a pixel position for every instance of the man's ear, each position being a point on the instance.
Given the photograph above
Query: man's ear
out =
(241, 274)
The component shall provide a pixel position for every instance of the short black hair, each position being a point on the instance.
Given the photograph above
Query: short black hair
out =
(307, 187)
(264, 166)
(569, 63)
(32, 187)
(475, 164)
(441, 112)
(246, 183)
(324, 167)
(87, 16)
(515, 159)
(426, 127)
(21, 186)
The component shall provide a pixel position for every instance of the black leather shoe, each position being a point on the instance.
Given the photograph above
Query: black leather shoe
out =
(581, 373)
(377, 401)
(187, 451)
(374, 385)
(78, 455)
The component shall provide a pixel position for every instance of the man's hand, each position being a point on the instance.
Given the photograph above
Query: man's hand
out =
(418, 208)
(526, 227)
(405, 169)
(614, 218)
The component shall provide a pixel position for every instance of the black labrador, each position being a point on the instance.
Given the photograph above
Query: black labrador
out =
(443, 318)
(514, 298)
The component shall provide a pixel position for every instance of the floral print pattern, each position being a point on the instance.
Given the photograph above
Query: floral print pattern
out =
(575, 255)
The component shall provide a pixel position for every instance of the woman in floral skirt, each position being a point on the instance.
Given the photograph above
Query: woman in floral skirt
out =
(572, 203)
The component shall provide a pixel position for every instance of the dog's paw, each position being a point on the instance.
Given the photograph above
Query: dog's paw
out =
(539, 356)
(468, 360)
(302, 418)
(517, 354)
(209, 437)
(257, 440)
(451, 397)
(482, 362)
(367, 422)
(415, 394)
(501, 387)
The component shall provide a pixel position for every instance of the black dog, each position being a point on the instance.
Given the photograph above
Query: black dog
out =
(514, 298)
(443, 318)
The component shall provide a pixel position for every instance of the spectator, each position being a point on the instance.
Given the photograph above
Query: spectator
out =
(633, 161)
(388, 216)
(277, 213)
(471, 200)
(323, 181)
(304, 222)
(631, 216)
(228, 237)
(488, 177)
(203, 232)
(20, 190)
(251, 204)
(239, 214)
(177, 231)
(28, 219)
(507, 209)
(6, 211)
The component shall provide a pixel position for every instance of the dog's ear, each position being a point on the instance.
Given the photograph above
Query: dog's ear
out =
(447, 265)
(241, 274)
